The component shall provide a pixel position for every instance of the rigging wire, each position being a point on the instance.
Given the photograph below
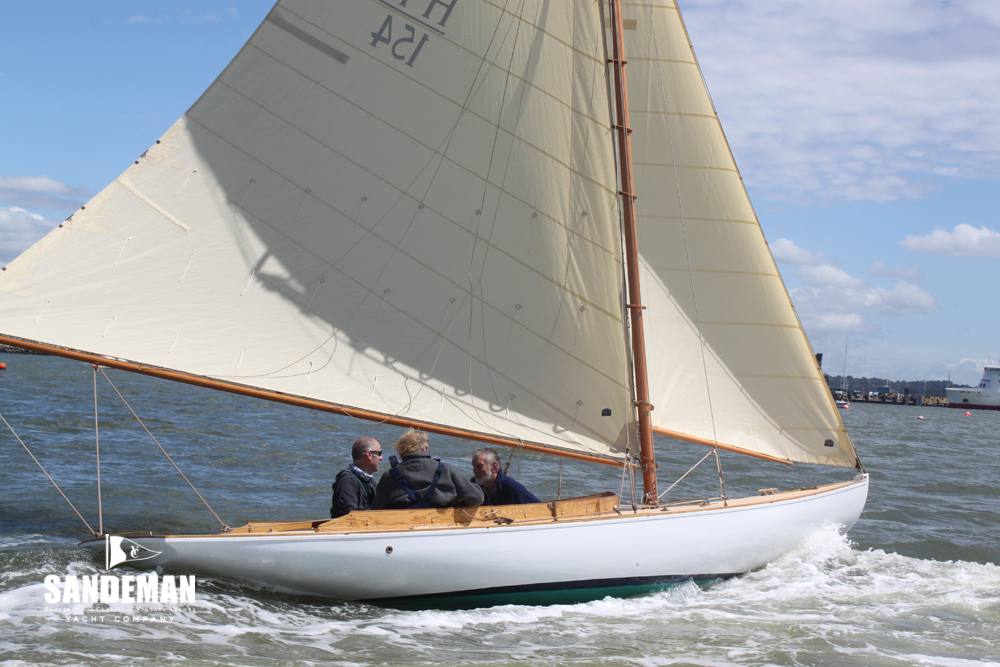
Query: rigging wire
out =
(621, 487)
(722, 480)
(473, 89)
(477, 83)
(97, 449)
(470, 286)
(631, 480)
(687, 248)
(628, 358)
(98, 368)
(93, 532)
(403, 192)
(689, 472)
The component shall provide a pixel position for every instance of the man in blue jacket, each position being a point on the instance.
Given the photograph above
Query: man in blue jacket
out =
(498, 488)
(354, 487)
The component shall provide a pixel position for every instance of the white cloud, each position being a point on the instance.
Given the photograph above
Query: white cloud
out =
(838, 323)
(853, 100)
(39, 184)
(19, 229)
(880, 270)
(903, 299)
(813, 269)
(41, 192)
(832, 302)
(787, 252)
(186, 16)
(964, 241)
(829, 312)
(827, 274)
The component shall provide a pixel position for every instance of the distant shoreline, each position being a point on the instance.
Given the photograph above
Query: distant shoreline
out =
(10, 349)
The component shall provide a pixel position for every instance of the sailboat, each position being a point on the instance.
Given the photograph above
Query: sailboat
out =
(460, 216)
(843, 402)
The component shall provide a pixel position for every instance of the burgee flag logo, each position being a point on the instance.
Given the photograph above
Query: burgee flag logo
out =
(147, 588)
(120, 550)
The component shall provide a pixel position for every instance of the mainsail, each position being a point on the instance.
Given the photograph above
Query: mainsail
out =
(730, 364)
(409, 208)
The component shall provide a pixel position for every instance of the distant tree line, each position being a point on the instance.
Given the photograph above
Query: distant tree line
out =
(866, 384)
(10, 349)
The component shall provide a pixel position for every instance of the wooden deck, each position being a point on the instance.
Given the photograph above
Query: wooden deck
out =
(586, 508)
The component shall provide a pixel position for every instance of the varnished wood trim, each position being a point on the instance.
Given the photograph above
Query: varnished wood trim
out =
(288, 399)
(587, 508)
(729, 448)
(451, 517)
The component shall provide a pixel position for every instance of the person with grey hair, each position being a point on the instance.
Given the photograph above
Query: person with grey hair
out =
(421, 481)
(498, 488)
(354, 487)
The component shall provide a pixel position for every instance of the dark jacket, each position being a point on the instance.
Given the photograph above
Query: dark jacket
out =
(508, 491)
(418, 470)
(351, 492)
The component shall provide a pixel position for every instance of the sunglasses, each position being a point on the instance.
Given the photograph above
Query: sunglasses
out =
(378, 453)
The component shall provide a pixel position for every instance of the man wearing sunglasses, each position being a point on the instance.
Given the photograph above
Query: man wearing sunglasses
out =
(354, 487)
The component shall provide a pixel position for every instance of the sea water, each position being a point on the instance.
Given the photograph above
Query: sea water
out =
(914, 583)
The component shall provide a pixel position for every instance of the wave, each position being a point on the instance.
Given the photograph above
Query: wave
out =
(821, 600)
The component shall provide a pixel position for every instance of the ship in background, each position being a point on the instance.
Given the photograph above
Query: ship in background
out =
(985, 396)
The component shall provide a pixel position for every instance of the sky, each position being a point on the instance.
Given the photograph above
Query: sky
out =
(866, 132)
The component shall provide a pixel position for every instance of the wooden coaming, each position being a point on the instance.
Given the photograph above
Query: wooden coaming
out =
(600, 507)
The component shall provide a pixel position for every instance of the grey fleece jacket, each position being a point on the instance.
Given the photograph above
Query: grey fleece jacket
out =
(418, 469)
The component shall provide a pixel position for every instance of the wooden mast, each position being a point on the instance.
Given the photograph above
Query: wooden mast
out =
(634, 303)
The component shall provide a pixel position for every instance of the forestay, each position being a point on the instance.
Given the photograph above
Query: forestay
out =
(730, 362)
(404, 207)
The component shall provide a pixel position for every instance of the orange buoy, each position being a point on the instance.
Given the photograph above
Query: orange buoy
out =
(921, 417)
(3, 367)
(968, 414)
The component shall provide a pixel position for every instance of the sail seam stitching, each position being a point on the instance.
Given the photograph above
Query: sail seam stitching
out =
(571, 170)
(687, 251)
(430, 329)
(469, 51)
(686, 166)
(404, 193)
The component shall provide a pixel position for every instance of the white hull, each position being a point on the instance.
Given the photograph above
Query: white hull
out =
(973, 398)
(496, 564)
(984, 397)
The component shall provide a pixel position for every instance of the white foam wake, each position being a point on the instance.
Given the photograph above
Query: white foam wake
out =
(823, 599)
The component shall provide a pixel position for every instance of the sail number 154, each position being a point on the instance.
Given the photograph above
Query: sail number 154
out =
(403, 47)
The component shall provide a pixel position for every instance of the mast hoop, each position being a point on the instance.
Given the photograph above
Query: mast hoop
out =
(630, 237)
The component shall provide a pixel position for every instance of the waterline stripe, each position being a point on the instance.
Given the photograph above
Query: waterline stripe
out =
(559, 592)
